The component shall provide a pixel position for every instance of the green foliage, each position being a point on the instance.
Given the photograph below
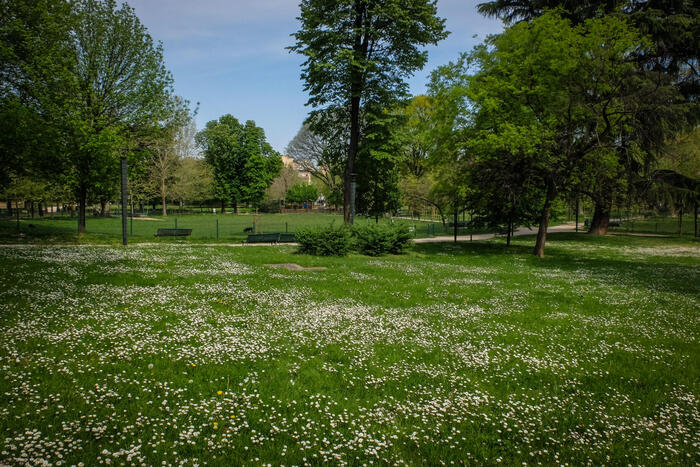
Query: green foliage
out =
(243, 162)
(378, 165)
(89, 78)
(36, 59)
(374, 239)
(302, 193)
(369, 239)
(193, 181)
(540, 107)
(324, 241)
(359, 52)
(414, 135)
(372, 41)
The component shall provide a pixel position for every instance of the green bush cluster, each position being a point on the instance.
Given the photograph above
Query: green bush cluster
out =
(368, 239)
(380, 239)
(324, 241)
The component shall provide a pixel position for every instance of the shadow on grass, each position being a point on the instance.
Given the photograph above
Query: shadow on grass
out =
(657, 274)
(471, 248)
(31, 231)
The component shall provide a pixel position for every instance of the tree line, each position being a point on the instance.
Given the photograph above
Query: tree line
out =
(83, 84)
(572, 100)
(594, 100)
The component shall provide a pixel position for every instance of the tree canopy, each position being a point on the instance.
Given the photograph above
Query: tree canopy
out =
(243, 162)
(359, 52)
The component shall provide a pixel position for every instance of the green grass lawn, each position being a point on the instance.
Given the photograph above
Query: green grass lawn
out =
(657, 225)
(204, 228)
(475, 353)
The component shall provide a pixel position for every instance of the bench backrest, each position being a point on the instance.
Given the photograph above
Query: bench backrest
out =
(174, 232)
(263, 238)
(287, 237)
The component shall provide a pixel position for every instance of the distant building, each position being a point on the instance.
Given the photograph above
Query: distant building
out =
(290, 162)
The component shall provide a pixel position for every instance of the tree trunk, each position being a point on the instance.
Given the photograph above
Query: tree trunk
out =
(601, 217)
(235, 207)
(82, 200)
(103, 207)
(696, 219)
(680, 222)
(162, 198)
(41, 209)
(9, 207)
(31, 207)
(359, 51)
(544, 223)
(510, 230)
(455, 224)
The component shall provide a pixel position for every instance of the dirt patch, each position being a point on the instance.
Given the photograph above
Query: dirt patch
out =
(296, 267)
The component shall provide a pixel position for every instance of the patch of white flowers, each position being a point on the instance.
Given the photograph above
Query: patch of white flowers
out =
(187, 356)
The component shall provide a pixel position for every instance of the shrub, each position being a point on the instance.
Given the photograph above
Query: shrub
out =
(324, 241)
(379, 239)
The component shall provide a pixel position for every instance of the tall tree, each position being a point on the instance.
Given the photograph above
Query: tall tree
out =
(550, 95)
(323, 159)
(119, 83)
(673, 61)
(415, 135)
(378, 165)
(192, 181)
(243, 162)
(171, 141)
(288, 177)
(35, 63)
(450, 131)
(360, 51)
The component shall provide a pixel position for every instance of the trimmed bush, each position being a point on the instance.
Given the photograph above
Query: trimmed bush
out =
(380, 239)
(324, 241)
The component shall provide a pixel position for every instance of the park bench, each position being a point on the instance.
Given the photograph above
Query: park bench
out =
(271, 238)
(173, 232)
(263, 238)
(287, 238)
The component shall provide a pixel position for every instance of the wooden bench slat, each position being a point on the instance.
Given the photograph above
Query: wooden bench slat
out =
(263, 238)
(287, 238)
(173, 232)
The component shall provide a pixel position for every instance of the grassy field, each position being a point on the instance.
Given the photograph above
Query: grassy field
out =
(192, 354)
(204, 228)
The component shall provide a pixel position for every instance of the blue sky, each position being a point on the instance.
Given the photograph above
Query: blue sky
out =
(229, 55)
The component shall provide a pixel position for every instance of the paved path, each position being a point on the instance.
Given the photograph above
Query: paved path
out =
(570, 227)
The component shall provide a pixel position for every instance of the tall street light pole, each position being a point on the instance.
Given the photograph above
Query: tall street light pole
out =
(124, 200)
